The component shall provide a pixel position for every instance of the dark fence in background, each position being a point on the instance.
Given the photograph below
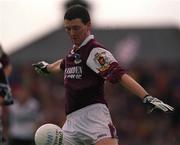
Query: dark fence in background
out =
(162, 44)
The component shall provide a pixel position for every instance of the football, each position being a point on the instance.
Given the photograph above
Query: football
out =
(48, 134)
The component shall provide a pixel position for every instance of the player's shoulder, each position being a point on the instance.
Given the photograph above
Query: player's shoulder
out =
(96, 44)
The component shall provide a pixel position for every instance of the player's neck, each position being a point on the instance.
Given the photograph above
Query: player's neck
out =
(76, 47)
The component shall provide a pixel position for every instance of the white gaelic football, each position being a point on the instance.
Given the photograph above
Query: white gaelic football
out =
(49, 134)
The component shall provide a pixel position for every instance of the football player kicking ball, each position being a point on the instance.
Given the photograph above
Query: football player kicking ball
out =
(87, 65)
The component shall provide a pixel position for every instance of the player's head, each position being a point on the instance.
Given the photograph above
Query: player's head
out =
(77, 12)
(77, 23)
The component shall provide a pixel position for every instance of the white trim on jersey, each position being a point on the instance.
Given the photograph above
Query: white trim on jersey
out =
(99, 59)
(85, 41)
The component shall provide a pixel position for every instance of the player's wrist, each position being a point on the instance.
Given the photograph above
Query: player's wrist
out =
(45, 69)
(41, 67)
(145, 98)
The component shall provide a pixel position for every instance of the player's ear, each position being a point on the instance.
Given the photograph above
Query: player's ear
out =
(89, 25)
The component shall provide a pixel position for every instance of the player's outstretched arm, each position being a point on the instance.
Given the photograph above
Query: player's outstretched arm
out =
(152, 102)
(45, 68)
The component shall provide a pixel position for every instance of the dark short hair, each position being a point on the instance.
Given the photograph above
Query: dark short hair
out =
(77, 11)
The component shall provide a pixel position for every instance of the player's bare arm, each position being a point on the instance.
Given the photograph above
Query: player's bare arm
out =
(134, 87)
(152, 102)
(54, 67)
(45, 68)
(125, 80)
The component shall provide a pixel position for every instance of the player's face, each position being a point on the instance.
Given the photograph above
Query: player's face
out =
(77, 30)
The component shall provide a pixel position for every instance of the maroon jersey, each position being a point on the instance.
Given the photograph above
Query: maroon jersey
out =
(85, 71)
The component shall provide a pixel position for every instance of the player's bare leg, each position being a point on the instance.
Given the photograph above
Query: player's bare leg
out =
(107, 141)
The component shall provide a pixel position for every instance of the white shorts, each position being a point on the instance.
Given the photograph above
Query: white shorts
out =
(88, 125)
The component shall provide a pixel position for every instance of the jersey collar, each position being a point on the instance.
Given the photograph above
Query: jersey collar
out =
(85, 41)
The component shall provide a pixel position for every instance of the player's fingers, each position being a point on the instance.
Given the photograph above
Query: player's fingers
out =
(151, 109)
(35, 65)
(169, 107)
(162, 107)
(38, 70)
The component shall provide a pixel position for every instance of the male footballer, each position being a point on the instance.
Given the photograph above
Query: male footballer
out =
(86, 67)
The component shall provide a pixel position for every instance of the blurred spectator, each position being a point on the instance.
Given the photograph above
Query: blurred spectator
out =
(23, 117)
(5, 92)
(4, 59)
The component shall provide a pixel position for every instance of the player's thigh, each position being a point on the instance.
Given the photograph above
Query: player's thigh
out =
(107, 141)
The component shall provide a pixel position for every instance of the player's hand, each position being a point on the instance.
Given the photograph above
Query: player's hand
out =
(155, 103)
(5, 92)
(41, 67)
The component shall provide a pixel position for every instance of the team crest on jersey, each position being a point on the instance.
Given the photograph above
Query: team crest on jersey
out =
(102, 61)
(77, 58)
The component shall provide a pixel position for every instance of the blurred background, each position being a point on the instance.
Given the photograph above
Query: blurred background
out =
(143, 35)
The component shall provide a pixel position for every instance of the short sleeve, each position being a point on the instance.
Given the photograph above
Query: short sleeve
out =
(102, 62)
